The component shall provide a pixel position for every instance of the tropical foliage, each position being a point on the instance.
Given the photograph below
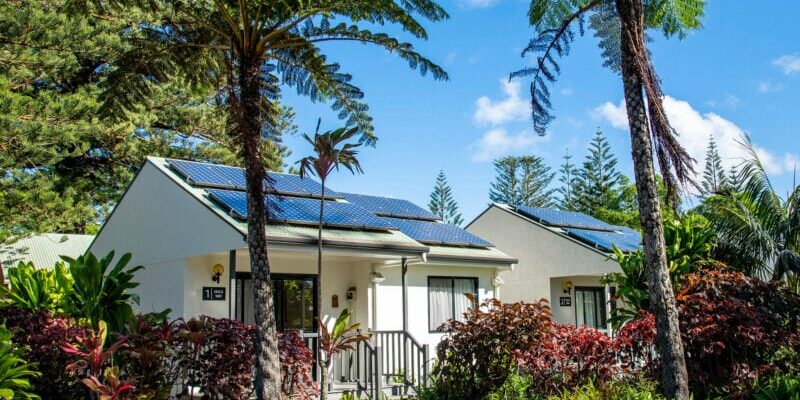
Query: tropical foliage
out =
(343, 336)
(100, 291)
(759, 231)
(690, 243)
(15, 372)
(36, 289)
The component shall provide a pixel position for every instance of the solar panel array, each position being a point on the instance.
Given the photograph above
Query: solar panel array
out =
(390, 207)
(585, 228)
(565, 219)
(606, 240)
(297, 202)
(432, 232)
(299, 210)
(225, 177)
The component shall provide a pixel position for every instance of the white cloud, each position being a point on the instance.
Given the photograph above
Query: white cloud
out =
(769, 87)
(479, 3)
(566, 91)
(511, 108)
(497, 142)
(615, 115)
(789, 63)
(695, 129)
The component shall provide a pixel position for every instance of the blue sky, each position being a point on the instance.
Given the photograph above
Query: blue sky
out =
(740, 73)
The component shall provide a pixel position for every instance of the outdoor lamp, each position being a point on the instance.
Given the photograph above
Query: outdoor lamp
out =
(568, 287)
(376, 277)
(216, 272)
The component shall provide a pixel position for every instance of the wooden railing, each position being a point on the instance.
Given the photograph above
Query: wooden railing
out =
(390, 357)
(405, 360)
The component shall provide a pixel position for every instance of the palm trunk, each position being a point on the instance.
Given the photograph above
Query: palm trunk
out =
(267, 360)
(323, 368)
(662, 298)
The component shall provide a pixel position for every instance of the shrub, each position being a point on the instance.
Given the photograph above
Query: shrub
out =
(41, 334)
(476, 357)
(778, 387)
(734, 329)
(36, 289)
(567, 357)
(615, 390)
(297, 362)
(99, 293)
(732, 325)
(15, 372)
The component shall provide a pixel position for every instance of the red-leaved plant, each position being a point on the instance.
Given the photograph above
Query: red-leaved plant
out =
(297, 361)
(41, 334)
(477, 355)
(91, 351)
(567, 357)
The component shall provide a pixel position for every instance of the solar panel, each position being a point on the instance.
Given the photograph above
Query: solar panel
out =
(305, 211)
(227, 177)
(564, 219)
(625, 240)
(389, 207)
(201, 174)
(437, 233)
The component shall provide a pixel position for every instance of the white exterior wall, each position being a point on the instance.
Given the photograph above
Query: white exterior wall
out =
(390, 306)
(543, 257)
(161, 225)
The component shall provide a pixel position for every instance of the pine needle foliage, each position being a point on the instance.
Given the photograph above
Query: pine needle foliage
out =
(55, 153)
(522, 180)
(715, 178)
(567, 191)
(442, 202)
(598, 179)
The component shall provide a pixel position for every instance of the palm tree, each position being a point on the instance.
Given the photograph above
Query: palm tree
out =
(249, 50)
(331, 152)
(621, 26)
(759, 232)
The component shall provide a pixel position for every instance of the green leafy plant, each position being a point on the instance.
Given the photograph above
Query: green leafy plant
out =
(778, 387)
(99, 293)
(617, 390)
(36, 289)
(690, 244)
(342, 337)
(15, 372)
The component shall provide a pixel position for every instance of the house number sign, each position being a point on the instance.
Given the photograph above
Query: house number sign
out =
(565, 301)
(213, 293)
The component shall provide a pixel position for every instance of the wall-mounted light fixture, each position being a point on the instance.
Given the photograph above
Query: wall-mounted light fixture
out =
(216, 272)
(376, 277)
(568, 287)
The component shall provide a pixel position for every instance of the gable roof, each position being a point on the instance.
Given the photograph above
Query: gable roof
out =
(44, 250)
(293, 222)
(580, 227)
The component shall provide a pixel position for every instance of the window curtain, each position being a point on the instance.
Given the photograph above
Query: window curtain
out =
(440, 298)
(462, 302)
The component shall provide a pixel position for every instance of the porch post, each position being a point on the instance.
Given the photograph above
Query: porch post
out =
(232, 284)
(608, 307)
(403, 271)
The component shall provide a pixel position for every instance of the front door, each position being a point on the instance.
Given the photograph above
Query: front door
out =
(590, 307)
(294, 301)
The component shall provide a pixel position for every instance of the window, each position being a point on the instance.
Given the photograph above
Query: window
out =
(590, 307)
(446, 299)
(294, 301)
